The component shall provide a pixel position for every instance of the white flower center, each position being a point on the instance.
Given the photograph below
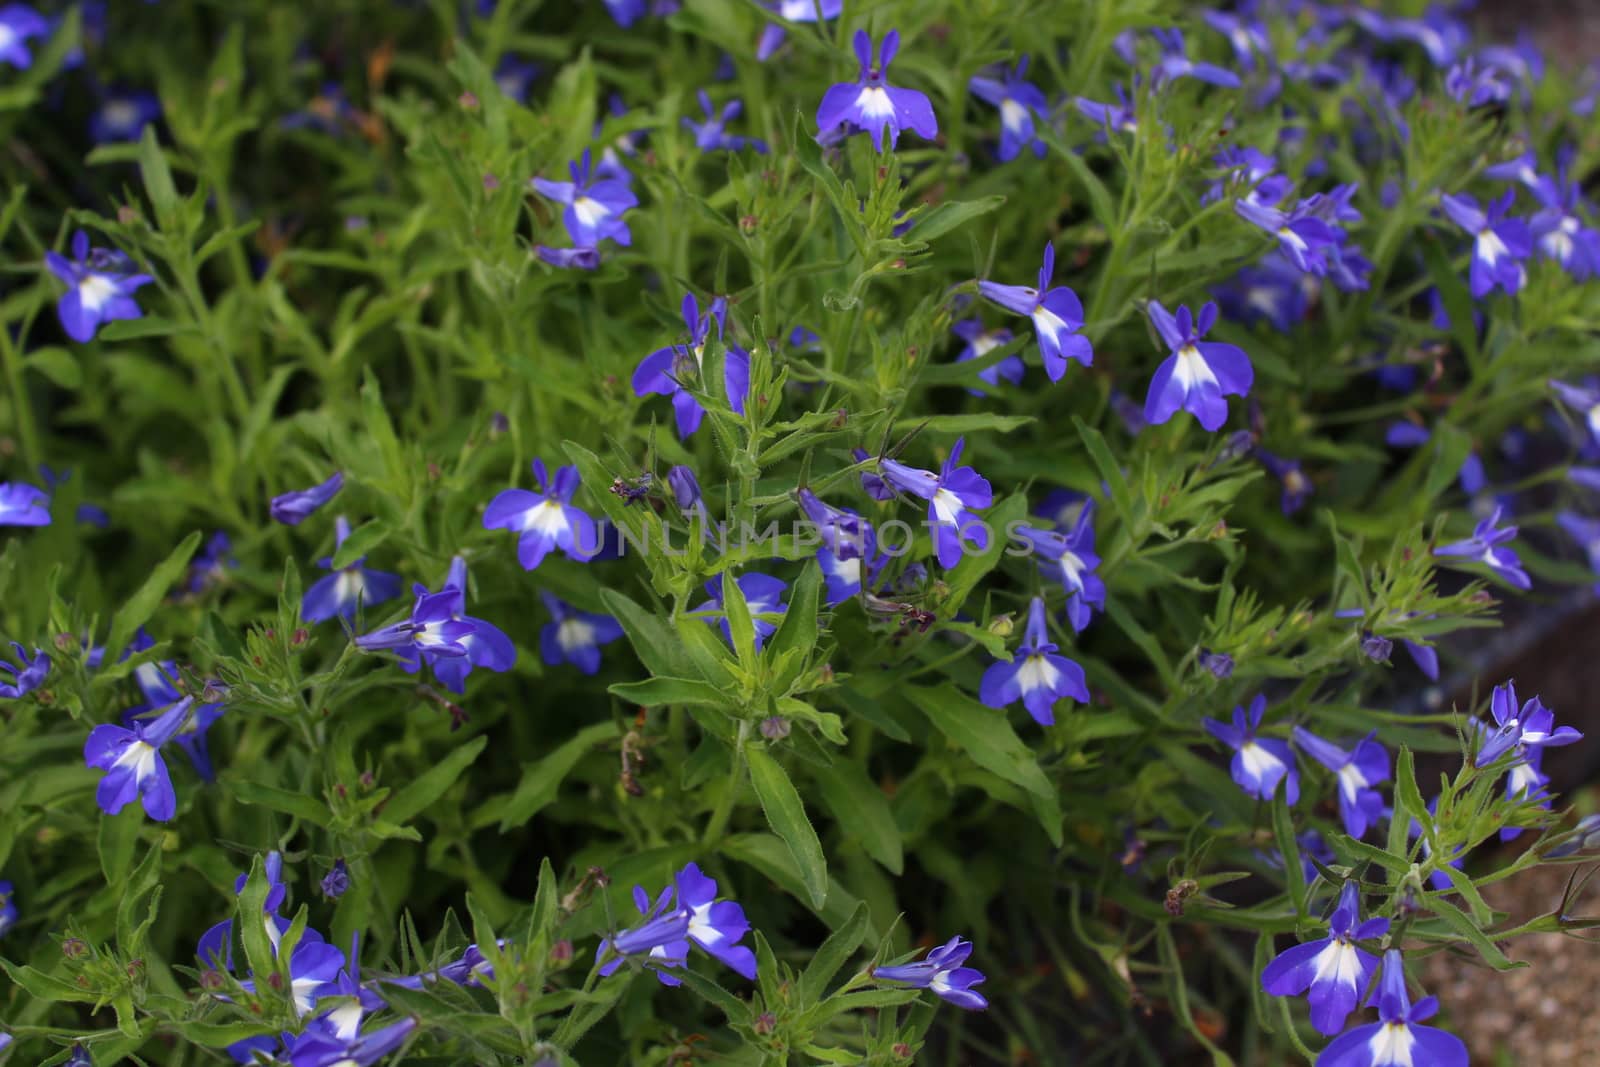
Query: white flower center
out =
(141, 756)
(1338, 964)
(350, 586)
(1192, 369)
(1351, 780)
(545, 517)
(95, 290)
(1037, 672)
(1013, 116)
(1490, 247)
(947, 506)
(874, 103)
(589, 210)
(574, 633)
(120, 114)
(700, 927)
(1258, 762)
(1048, 323)
(1072, 568)
(1391, 1046)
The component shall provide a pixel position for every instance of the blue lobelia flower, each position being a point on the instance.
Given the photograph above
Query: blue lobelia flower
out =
(314, 968)
(1440, 34)
(215, 948)
(845, 578)
(845, 535)
(18, 22)
(158, 682)
(1290, 475)
(569, 258)
(1020, 104)
(1584, 399)
(1175, 63)
(1118, 117)
(25, 675)
(132, 761)
(763, 595)
(677, 369)
(944, 972)
(685, 913)
(951, 495)
(1525, 784)
(712, 135)
(344, 592)
(545, 520)
(1198, 374)
(1586, 532)
(319, 1048)
(1332, 968)
(1303, 238)
(22, 504)
(122, 115)
(796, 11)
(211, 565)
(1358, 770)
(1487, 546)
(1037, 675)
(483, 644)
(100, 287)
(1057, 316)
(1247, 35)
(870, 104)
(1070, 558)
(594, 205)
(1259, 763)
(980, 342)
(1273, 290)
(8, 910)
(1500, 244)
(514, 77)
(573, 636)
(1520, 730)
(297, 505)
(1396, 1040)
(1560, 232)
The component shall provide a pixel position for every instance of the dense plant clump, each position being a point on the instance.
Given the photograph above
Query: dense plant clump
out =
(784, 532)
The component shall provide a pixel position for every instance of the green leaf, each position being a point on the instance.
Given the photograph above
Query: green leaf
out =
(1110, 471)
(861, 810)
(432, 784)
(653, 638)
(787, 816)
(58, 365)
(1462, 924)
(541, 780)
(137, 609)
(741, 628)
(654, 692)
(950, 215)
(988, 738)
(362, 540)
(137, 329)
(1294, 874)
(798, 630)
(299, 805)
(834, 954)
(119, 834)
(157, 177)
(45, 987)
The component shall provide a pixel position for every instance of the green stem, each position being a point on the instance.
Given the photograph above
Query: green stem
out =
(20, 406)
(724, 809)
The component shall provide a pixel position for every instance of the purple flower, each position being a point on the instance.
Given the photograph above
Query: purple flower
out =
(294, 507)
(595, 205)
(871, 104)
(1486, 546)
(319, 1048)
(1198, 374)
(1477, 84)
(1440, 34)
(677, 369)
(951, 494)
(123, 115)
(344, 592)
(687, 912)
(1259, 763)
(1303, 238)
(1296, 486)
(1358, 770)
(1242, 166)
(158, 682)
(1562, 235)
(1057, 316)
(336, 883)
(1118, 117)
(1586, 532)
(845, 535)
(22, 504)
(1520, 731)
(1175, 63)
(1063, 507)
(1247, 35)
(442, 634)
(845, 578)
(1584, 399)
(1523, 169)
(1070, 558)
(18, 22)
(1500, 244)
(872, 484)
(573, 636)
(944, 973)
(514, 77)
(1219, 664)
(1332, 968)
(1036, 675)
(763, 595)
(711, 135)
(1273, 290)
(100, 287)
(1020, 103)
(133, 764)
(981, 342)
(569, 258)
(773, 33)
(1396, 1040)
(544, 520)
(8, 916)
(208, 568)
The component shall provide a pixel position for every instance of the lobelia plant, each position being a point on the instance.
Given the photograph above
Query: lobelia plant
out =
(889, 695)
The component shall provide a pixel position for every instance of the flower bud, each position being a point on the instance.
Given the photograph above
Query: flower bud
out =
(775, 728)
